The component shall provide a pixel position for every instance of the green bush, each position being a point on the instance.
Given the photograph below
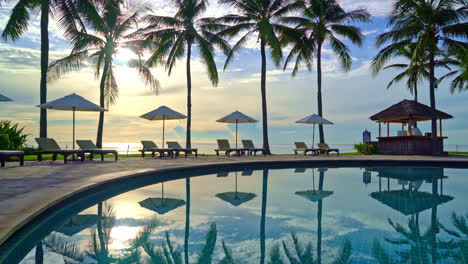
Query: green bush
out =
(4, 142)
(361, 148)
(29, 150)
(15, 134)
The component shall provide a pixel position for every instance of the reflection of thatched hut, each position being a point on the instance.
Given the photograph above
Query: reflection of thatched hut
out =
(409, 174)
(403, 113)
(410, 202)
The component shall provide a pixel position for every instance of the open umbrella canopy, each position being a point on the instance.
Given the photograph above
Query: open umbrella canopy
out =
(236, 198)
(72, 102)
(4, 98)
(163, 113)
(236, 117)
(314, 119)
(77, 223)
(314, 195)
(161, 205)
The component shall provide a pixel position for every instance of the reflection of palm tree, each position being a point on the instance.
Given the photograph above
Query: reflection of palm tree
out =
(304, 254)
(187, 219)
(423, 246)
(262, 221)
(458, 247)
(99, 246)
(61, 245)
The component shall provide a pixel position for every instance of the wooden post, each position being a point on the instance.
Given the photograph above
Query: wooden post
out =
(380, 129)
(440, 127)
(410, 129)
(388, 129)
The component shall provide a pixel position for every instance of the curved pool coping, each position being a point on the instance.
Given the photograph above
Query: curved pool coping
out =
(113, 179)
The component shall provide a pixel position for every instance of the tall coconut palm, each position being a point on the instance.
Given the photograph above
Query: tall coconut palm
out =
(18, 24)
(258, 17)
(112, 27)
(413, 73)
(435, 26)
(459, 74)
(170, 39)
(324, 22)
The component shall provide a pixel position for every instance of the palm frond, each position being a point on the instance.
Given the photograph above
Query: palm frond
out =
(205, 256)
(62, 66)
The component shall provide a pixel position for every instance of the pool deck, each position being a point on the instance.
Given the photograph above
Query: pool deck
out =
(26, 191)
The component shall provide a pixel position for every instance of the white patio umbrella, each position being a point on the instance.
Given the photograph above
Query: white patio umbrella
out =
(315, 120)
(163, 113)
(4, 98)
(236, 117)
(72, 102)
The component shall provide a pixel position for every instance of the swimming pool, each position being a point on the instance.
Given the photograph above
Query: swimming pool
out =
(260, 215)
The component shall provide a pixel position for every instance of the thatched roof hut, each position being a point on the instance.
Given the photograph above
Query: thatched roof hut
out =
(407, 110)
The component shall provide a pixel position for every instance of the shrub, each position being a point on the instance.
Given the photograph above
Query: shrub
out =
(361, 148)
(15, 134)
(4, 142)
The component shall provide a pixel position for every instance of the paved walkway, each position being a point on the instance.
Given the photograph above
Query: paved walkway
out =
(26, 191)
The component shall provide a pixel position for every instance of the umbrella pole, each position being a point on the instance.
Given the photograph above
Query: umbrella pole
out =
(313, 137)
(236, 185)
(236, 132)
(164, 124)
(162, 192)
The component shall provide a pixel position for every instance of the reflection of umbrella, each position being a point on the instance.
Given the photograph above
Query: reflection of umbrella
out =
(163, 113)
(236, 117)
(236, 198)
(410, 202)
(78, 223)
(314, 119)
(161, 205)
(72, 102)
(4, 98)
(315, 195)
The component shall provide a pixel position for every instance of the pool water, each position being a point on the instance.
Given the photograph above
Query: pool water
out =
(302, 215)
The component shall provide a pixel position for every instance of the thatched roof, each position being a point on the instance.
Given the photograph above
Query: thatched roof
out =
(407, 110)
(410, 202)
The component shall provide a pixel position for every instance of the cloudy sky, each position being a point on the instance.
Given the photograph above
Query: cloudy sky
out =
(349, 98)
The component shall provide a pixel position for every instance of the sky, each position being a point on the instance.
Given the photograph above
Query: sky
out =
(349, 98)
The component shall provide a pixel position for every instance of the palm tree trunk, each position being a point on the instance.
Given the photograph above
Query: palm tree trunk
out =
(415, 98)
(434, 224)
(188, 142)
(266, 145)
(39, 257)
(435, 148)
(263, 220)
(187, 220)
(319, 89)
(44, 65)
(100, 131)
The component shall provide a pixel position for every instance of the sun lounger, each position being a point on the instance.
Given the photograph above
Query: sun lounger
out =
(50, 146)
(5, 154)
(250, 147)
(177, 148)
(325, 149)
(150, 146)
(301, 146)
(88, 147)
(223, 145)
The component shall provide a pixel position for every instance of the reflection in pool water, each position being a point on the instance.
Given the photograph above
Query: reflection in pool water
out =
(303, 215)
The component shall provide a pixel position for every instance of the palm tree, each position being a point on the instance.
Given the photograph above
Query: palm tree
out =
(435, 26)
(18, 24)
(258, 17)
(169, 39)
(111, 25)
(414, 73)
(321, 22)
(460, 74)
